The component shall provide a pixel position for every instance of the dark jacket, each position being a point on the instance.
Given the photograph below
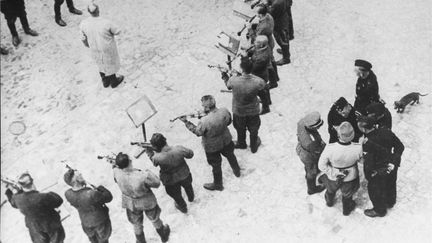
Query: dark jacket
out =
(334, 119)
(90, 204)
(214, 129)
(279, 12)
(38, 209)
(261, 62)
(9, 7)
(386, 120)
(171, 160)
(382, 147)
(245, 90)
(367, 89)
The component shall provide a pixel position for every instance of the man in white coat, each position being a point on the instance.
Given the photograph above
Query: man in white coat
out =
(339, 163)
(98, 34)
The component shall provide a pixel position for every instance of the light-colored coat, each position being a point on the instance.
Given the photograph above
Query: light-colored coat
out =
(99, 34)
(337, 157)
(135, 186)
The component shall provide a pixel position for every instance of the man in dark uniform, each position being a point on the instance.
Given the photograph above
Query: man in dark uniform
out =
(216, 140)
(265, 27)
(383, 156)
(57, 12)
(174, 172)
(342, 111)
(41, 218)
(245, 105)
(279, 12)
(366, 87)
(90, 203)
(261, 61)
(13, 9)
(380, 113)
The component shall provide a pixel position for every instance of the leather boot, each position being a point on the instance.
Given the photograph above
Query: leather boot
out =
(348, 206)
(117, 81)
(217, 183)
(312, 187)
(255, 143)
(140, 238)
(190, 193)
(329, 199)
(164, 232)
(182, 209)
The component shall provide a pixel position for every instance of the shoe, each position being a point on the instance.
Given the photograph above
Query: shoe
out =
(372, 213)
(164, 232)
(254, 148)
(190, 195)
(105, 82)
(16, 40)
(283, 62)
(140, 238)
(119, 79)
(265, 110)
(273, 85)
(31, 32)
(348, 206)
(329, 201)
(279, 51)
(238, 145)
(60, 22)
(4, 51)
(236, 173)
(181, 209)
(213, 187)
(76, 11)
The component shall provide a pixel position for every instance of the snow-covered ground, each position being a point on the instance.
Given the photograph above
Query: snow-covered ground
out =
(51, 84)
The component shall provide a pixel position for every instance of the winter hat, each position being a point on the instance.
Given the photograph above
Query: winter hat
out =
(68, 176)
(362, 63)
(345, 132)
(375, 108)
(313, 120)
(341, 103)
(366, 122)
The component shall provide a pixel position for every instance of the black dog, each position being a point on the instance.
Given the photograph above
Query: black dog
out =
(407, 99)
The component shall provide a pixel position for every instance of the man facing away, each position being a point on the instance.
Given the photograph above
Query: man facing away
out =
(39, 209)
(90, 203)
(138, 198)
(98, 34)
(174, 172)
(216, 140)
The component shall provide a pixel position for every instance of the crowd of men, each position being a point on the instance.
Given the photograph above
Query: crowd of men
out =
(359, 133)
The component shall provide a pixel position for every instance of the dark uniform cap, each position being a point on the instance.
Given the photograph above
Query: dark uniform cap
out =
(68, 176)
(362, 63)
(375, 108)
(341, 103)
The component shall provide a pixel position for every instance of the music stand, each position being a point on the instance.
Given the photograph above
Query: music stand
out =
(229, 45)
(141, 111)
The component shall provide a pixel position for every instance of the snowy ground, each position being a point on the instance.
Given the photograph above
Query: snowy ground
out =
(51, 84)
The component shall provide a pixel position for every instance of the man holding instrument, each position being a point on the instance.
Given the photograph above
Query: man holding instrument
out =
(216, 140)
(39, 209)
(174, 172)
(90, 203)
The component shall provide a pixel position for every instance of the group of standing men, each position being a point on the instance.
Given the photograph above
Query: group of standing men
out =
(335, 166)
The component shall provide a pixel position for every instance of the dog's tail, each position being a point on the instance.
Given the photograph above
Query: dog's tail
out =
(423, 94)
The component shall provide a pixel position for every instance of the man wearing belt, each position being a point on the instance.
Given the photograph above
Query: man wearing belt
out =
(309, 148)
(90, 203)
(216, 140)
(382, 160)
(338, 162)
(174, 172)
(138, 198)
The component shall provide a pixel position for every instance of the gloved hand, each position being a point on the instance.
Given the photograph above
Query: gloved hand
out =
(225, 76)
(390, 167)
